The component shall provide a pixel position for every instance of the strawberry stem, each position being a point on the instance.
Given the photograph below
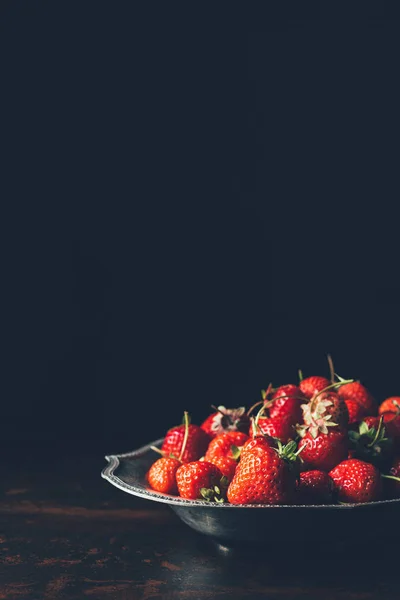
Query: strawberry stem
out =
(329, 387)
(218, 409)
(186, 435)
(255, 422)
(270, 402)
(300, 372)
(331, 368)
(254, 406)
(377, 434)
(157, 450)
(390, 477)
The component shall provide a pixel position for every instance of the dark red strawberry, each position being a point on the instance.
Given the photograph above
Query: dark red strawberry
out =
(222, 444)
(285, 403)
(194, 448)
(356, 481)
(161, 475)
(282, 429)
(356, 411)
(391, 404)
(325, 410)
(371, 442)
(356, 391)
(313, 385)
(226, 465)
(200, 480)
(324, 451)
(226, 419)
(314, 487)
(265, 474)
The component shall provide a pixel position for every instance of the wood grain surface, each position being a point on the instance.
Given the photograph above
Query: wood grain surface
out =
(66, 533)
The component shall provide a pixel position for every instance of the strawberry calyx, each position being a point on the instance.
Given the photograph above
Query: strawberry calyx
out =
(316, 417)
(290, 453)
(217, 493)
(370, 443)
(229, 419)
(316, 420)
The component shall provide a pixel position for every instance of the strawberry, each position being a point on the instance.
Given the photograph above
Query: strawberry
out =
(200, 480)
(356, 391)
(195, 447)
(285, 403)
(315, 487)
(391, 404)
(310, 386)
(222, 444)
(161, 475)
(226, 419)
(226, 465)
(370, 442)
(392, 482)
(325, 410)
(356, 411)
(265, 474)
(356, 481)
(324, 451)
(282, 429)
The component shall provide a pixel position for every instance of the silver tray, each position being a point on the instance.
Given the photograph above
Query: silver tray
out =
(228, 523)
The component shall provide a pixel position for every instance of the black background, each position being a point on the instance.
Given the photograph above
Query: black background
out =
(196, 203)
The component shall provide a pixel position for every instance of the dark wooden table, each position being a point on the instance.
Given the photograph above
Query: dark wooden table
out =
(66, 533)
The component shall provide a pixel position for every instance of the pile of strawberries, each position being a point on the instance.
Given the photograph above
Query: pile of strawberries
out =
(318, 442)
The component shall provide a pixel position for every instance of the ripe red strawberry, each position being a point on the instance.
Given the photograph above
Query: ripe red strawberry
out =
(371, 442)
(161, 475)
(199, 480)
(285, 403)
(325, 410)
(391, 404)
(265, 474)
(356, 481)
(356, 411)
(324, 451)
(196, 444)
(392, 486)
(222, 444)
(226, 419)
(282, 429)
(356, 391)
(315, 487)
(313, 385)
(226, 465)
